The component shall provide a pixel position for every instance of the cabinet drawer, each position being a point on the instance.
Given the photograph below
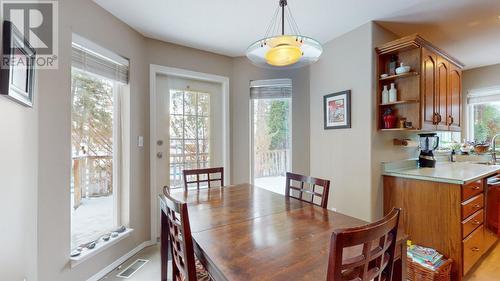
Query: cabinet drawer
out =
(473, 248)
(472, 223)
(472, 205)
(472, 189)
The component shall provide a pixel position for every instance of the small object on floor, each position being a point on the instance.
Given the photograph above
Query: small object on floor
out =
(114, 234)
(121, 229)
(75, 253)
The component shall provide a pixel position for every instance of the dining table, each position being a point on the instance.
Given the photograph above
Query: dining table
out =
(243, 232)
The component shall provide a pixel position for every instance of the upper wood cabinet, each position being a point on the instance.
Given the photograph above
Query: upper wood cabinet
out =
(430, 96)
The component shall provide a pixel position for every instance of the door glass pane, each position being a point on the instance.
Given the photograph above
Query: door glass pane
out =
(189, 133)
(486, 120)
(271, 143)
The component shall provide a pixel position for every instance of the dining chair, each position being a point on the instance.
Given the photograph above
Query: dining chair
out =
(307, 189)
(185, 265)
(207, 175)
(376, 244)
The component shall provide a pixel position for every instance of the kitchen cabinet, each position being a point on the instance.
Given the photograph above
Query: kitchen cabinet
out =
(430, 95)
(449, 217)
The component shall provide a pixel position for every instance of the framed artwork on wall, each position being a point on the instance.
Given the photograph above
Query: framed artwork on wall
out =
(17, 73)
(337, 110)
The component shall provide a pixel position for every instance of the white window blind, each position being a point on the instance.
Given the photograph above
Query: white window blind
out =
(484, 95)
(90, 60)
(271, 89)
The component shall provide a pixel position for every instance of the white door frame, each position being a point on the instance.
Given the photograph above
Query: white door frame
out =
(182, 73)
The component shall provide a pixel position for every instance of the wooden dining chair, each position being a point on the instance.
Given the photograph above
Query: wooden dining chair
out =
(377, 247)
(309, 189)
(185, 266)
(200, 176)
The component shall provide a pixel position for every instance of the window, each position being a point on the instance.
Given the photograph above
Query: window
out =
(483, 114)
(96, 84)
(271, 102)
(189, 133)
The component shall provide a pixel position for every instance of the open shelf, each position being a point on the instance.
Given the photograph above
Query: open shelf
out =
(400, 129)
(399, 102)
(397, 76)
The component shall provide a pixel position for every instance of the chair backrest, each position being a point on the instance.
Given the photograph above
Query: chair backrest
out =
(181, 242)
(316, 191)
(208, 175)
(377, 246)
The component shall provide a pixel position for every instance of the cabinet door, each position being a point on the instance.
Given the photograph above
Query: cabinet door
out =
(442, 86)
(454, 110)
(428, 88)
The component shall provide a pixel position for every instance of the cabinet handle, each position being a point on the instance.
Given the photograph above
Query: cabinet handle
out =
(476, 187)
(475, 249)
(476, 222)
(435, 118)
(450, 120)
(477, 206)
(439, 118)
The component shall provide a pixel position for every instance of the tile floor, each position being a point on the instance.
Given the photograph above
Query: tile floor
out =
(487, 270)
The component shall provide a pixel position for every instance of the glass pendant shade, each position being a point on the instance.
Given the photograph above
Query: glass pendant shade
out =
(284, 50)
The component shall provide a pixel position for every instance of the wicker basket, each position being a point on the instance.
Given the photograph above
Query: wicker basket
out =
(417, 272)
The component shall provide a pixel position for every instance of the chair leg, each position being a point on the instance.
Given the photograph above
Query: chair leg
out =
(164, 248)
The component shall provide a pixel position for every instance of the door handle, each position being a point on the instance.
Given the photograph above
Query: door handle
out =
(159, 155)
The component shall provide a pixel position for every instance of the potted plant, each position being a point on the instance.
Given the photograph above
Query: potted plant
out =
(389, 119)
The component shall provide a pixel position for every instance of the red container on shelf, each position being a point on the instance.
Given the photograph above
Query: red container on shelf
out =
(390, 121)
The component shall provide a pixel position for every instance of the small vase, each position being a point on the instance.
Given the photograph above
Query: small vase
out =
(385, 95)
(393, 93)
(390, 121)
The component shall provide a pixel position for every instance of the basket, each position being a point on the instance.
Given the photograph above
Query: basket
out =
(417, 272)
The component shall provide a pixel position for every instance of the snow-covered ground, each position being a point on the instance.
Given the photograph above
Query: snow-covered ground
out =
(91, 219)
(274, 184)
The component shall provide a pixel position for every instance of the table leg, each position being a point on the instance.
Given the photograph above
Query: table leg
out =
(164, 246)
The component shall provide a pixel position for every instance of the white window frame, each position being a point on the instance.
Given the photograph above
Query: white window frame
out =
(490, 92)
(117, 147)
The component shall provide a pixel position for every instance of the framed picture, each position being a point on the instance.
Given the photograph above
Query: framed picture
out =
(337, 110)
(17, 73)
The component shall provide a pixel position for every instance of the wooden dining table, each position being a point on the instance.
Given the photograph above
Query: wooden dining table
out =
(243, 232)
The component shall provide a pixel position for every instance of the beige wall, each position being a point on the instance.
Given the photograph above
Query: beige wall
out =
(242, 73)
(343, 155)
(351, 158)
(18, 186)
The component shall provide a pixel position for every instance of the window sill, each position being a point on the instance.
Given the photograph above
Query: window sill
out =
(100, 247)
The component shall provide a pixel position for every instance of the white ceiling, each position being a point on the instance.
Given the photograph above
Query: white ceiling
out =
(467, 29)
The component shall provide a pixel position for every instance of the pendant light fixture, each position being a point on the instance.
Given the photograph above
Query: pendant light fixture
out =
(278, 49)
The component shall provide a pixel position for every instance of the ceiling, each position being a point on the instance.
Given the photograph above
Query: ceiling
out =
(468, 29)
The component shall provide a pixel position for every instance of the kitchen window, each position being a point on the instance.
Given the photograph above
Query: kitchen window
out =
(483, 114)
(98, 78)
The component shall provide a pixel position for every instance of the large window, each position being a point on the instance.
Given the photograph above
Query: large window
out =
(189, 133)
(95, 145)
(271, 102)
(484, 115)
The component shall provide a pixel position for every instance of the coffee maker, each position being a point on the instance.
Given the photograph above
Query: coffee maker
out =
(428, 143)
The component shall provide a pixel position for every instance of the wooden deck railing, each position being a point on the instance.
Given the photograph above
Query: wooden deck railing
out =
(92, 177)
(271, 163)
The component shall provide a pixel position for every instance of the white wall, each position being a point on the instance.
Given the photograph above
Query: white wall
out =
(242, 73)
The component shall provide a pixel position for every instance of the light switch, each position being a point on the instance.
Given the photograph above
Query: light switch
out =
(140, 141)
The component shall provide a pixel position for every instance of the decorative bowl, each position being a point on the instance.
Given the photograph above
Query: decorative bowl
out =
(403, 69)
(384, 75)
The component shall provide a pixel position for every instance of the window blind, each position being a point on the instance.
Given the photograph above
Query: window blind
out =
(88, 60)
(484, 95)
(271, 89)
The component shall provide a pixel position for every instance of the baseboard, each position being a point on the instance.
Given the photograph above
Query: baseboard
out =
(120, 260)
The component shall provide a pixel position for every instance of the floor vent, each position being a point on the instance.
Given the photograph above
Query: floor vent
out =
(131, 269)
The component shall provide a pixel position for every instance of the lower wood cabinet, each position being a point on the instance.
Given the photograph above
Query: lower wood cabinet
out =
(444, 216)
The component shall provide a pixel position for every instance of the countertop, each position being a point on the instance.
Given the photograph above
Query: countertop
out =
(447, 172)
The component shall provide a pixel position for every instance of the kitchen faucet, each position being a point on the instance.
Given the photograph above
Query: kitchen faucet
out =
(494, 152)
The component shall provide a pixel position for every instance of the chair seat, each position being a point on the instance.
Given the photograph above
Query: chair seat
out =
(201, 272)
